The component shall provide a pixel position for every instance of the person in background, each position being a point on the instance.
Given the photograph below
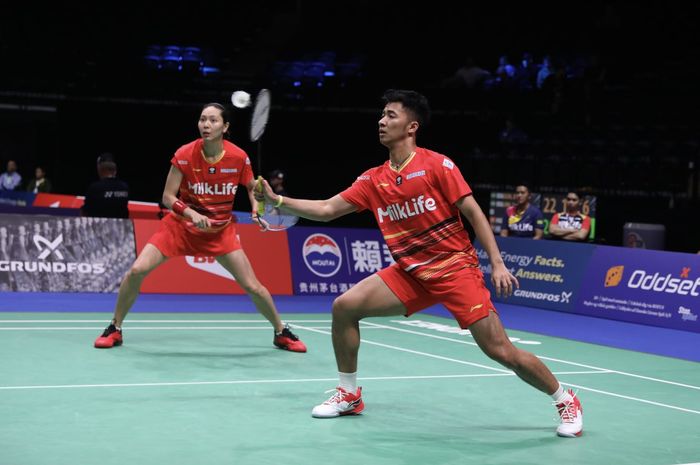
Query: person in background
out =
(10, 179)
(40, 183)
(523, 219)
(572, 225)
(276, 180)
(109, 196)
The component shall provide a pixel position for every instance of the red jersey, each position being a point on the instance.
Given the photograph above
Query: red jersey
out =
(574, 222)
(415, 210)
(210, 188)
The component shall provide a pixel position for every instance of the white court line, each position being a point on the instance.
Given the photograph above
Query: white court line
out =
(508, 371)
(592, 367)
(659, 404)
(261, 381)
(425, 354)
(156, 328)
(137, 320)
(434, 336)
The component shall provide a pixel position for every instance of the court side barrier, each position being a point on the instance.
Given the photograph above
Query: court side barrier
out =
(66, 205)
(54, 253)
(635, 285)
(49, 253)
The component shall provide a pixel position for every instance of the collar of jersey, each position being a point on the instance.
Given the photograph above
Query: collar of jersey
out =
(218, 158)
(405, 162)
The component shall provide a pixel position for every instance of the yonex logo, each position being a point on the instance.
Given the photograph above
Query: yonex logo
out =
(48, 246)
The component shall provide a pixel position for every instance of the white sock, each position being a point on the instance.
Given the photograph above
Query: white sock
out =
(348, 381)
(560, 395)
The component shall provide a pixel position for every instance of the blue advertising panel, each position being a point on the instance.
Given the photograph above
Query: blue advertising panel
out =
(17, 198)
(549, 272)
(642, 286)
(327, 261)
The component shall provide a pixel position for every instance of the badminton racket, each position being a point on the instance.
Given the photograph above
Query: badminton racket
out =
(273, 218)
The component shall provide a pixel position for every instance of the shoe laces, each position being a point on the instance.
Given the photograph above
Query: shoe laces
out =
(337, 397)
(288, 333)
(567, 409)
(109, 330)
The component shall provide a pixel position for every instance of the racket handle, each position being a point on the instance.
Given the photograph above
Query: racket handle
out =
(261, 203)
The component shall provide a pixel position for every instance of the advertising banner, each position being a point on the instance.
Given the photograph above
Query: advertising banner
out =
(42, 253)
(328, 261)
(642, 286)
(17, 198)
(267, 252)
(549, 272)
(58, 200)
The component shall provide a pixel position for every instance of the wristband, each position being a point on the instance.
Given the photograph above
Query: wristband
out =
(280, 199)
(179, 207)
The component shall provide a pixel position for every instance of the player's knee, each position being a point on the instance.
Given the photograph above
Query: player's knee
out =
(252, 287)
(503, 353)
(137, 271)
(343, 307)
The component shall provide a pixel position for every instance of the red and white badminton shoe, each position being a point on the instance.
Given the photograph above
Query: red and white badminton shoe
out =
(571, 415)
(110, 337)
(287, 340)
(340, 403)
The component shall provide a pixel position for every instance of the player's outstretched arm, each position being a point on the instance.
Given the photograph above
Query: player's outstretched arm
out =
(503, 281)
(317, 210)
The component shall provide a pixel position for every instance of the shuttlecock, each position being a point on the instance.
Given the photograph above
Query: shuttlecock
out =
(240, 99)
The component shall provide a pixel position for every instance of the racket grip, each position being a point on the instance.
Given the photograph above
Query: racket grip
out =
(261, 203)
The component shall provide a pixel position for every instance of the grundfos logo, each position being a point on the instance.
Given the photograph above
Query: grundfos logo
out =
(47, 247)
(204, 188)
(564, 297)
(657, 282)
(402, 211)
(51, 247)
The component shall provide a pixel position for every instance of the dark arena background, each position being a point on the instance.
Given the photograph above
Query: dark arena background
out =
(617, 117)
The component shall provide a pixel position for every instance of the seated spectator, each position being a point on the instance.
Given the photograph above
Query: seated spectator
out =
(10, 179)
(523, 219)
(572, 225)
(40, 183)
(546, 69)
(276, 180)
(108, 197)
(505, 72)
(526, 73)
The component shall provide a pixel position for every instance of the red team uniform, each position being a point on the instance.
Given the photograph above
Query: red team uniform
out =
(209, 189)
(415, 209)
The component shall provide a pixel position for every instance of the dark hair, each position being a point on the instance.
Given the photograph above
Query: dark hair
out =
(106, 165)
(224, 112)
(225, 115)
(412, 101)
(105, 157)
